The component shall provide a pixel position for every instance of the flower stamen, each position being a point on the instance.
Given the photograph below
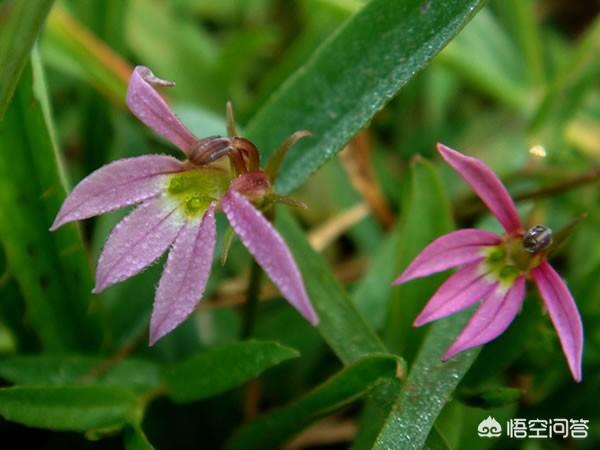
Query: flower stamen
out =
(209, 149)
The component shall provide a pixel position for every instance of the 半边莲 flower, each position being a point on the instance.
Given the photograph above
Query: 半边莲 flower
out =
(494, 269)
(177, 205)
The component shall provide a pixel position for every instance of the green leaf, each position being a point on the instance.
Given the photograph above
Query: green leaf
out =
(524, 25)
(342, 327)
(70, 47)
(351, 77)
(371, 295)
(484, 55)
(21, 23)
(351, 383)
(68, 408)
(429, 386)
(176, 45)
(426, 216)
(222, 368)
(52, 269)
(340, 324)
(565, 94)
(46, 369)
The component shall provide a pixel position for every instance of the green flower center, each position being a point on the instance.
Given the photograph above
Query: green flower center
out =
(508, 260)
(195, 189)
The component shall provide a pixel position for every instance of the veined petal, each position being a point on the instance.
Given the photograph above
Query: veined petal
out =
(153, 111)
(563, 313)
(137, 241)
(185, 275)
(458, 292)
(486, 185)
(269, 250)
(450, 250)
(118, 184)
(493, 316)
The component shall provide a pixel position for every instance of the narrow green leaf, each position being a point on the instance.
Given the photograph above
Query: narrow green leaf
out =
(371, 295)
(68, 46)
(525, 25)
(340, 324)
(427, 389)
(484, 55)
(46, 369)
(427, 215)
(566, 93)
(68, 408)
(345, 387)
(51, 268)
(351, 76)
(222, 368)
(21, 23)
(174, 45)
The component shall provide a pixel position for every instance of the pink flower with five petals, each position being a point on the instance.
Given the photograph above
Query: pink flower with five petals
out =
(493, 270)
(177, 204)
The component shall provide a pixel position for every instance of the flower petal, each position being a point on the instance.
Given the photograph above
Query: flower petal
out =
(486, 185)
(185, 275)
(153, 111)
(493, 316)
(450, 250)
(458, 292)
(118, 184)
(137, 241)
(269, 250)
(563, 313)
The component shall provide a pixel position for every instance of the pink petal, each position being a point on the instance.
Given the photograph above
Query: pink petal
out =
(185, 275)
(153, 111)
(493, 316)
(269, 250)
(451, 250)
(118, 184)
(486, 185)
(563, 313)
(137, 241)
(458, 292)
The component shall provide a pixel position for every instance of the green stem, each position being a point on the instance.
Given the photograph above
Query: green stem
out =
(251, 305)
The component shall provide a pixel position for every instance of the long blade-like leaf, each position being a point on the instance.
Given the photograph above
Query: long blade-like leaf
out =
(222, 368)
(51, 268)
(345, 387)
(68, 408)
(21, 23)
(351, 76)
(426, 216)
(341, 325)
(427, 389)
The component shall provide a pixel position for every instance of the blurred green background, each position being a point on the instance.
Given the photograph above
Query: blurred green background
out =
(518, 87)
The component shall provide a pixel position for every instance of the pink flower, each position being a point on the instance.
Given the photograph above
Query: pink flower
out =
(493, 269)
(178, 201)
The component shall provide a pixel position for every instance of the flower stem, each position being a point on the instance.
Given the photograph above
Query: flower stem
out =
(589, 177)
(251, 305)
